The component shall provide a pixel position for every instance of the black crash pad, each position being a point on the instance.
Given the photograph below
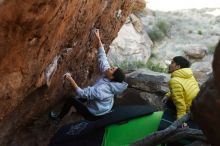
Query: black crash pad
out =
(91, 132)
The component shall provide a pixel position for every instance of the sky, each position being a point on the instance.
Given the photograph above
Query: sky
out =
(170, 5)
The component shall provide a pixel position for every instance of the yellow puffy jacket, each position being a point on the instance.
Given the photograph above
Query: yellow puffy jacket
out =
(183, 89)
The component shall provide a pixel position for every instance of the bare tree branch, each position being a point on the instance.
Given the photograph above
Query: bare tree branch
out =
(181, 133)
(198, 143)
(171, 133)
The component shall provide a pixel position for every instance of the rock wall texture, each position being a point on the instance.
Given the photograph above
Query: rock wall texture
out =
(139, 5)
(42, 39)
(207, 104)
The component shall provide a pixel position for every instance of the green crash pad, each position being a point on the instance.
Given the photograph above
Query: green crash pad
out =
(128, 132)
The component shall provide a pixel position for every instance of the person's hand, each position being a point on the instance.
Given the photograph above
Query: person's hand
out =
(164, 100)
(67, 76)
(185, 125)
(96, 31)
(66, 84)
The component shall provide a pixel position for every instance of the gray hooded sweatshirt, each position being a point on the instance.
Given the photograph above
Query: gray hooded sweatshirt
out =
(100, 96)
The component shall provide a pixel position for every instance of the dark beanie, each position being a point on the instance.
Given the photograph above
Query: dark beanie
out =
(181, 61)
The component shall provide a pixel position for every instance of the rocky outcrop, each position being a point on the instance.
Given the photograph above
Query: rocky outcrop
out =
(134, 96)
(201, 71)
(149, 81)
(39, 41)
(132, 43)
(130, 46)
(195, 51)
(145, 87)
(206, 106)
(137, 24)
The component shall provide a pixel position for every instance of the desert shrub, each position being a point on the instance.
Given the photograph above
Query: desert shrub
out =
(200, 32)
(164, 27)
(156, 34)
(131, 66)
(156, 67)
(159, 31)
(128, 65)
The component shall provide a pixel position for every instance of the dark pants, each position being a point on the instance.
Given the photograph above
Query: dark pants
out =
(170, 105)
(169, 117)
(80, 107)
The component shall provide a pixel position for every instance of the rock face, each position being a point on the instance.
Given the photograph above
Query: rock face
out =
(206, 106)
(201, 71)
(149, 81)
(130, 46)
(132, 43)
(195, 51)
(39, 41)
(139, 5)
(145, 87)
(134, 96)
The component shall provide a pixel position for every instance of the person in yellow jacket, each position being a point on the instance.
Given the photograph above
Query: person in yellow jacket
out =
(183, 86)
